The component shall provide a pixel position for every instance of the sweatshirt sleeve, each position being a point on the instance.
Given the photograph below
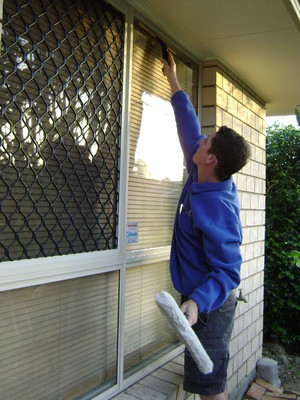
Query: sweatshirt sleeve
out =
(222, 236)
(188, 125)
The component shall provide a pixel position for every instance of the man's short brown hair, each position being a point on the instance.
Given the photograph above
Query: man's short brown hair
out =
(231, 150)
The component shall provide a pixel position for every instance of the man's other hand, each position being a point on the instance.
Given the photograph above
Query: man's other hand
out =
(190, 310)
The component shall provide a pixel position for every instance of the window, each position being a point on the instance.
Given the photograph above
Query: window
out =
(61, 83)
(156, 175)
(59, 340)
(156, 165)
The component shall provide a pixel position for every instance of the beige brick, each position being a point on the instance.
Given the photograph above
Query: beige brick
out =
(247, 351)
(245, 270)
(253, 233)
(209, 96)
(232, 106)
(250, 118)
(227, 119)
(256, 108)
(258, 354)
(255, 316)
(255, 279)
(254, 136)
(254, 201)
(246, 99)
(243, 252)
(262, 140)
(242, 182)
(255, 343)
(258, 249)
(219, 78)
(232, 382)
(237, 125)
(261, 232)
(260, 294)
(234, 346)
(251, 364)
(237, 92)
(250, 183)
(242, 371)
(253, 299)
(209, 76)
(246, 169)
(261, 264)
(243, 217)
(259, 325)
(254, 168)
(243, 307)
(237, 361)
(247, 321)
(260, 155)
(230, 368)
(251, 218)
(261, 336)
(209, 116)
(227, 84)
(247, 132)
(258, 123)
(219, 117)
(243, 340)
(247, 233)
(248, 283)
(249, 252)
(251, 330)
(261, 171)
(262, 199)
(245, 200)
(222, 98)
(238, 326)
(260, 186)
(262, 112)
(242, 113)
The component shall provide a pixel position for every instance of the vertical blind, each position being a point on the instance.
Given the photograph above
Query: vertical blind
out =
(59, 341)
(61, 68)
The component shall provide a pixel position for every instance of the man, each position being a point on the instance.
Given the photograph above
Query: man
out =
(205, 255)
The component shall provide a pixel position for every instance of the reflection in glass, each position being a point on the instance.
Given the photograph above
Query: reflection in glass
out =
(158, 154)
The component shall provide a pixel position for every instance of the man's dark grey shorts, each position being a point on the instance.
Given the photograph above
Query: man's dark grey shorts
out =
(214, 331)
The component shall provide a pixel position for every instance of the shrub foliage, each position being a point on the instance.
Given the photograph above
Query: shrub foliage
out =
(282, 273)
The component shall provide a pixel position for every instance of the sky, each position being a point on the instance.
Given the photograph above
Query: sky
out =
(284, 120)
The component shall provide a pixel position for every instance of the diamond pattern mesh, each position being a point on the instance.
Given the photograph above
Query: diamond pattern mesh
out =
(61, 69)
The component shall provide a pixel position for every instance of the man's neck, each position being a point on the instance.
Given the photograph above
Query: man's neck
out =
(207, 176)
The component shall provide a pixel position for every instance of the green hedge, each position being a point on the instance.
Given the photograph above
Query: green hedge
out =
(282, 273)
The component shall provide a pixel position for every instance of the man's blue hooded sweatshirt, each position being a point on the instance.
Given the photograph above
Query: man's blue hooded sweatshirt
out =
(205, 254)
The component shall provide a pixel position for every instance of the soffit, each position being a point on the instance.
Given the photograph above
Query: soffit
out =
(259, 40)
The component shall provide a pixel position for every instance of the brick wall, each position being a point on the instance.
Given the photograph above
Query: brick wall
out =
(228, 101)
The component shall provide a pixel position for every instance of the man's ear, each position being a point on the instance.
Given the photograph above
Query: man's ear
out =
(211, 159)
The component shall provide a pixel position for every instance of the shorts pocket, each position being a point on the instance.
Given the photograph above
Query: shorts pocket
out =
(229, 304)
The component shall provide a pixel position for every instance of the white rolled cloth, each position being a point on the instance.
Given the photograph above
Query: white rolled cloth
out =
(176, 320)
